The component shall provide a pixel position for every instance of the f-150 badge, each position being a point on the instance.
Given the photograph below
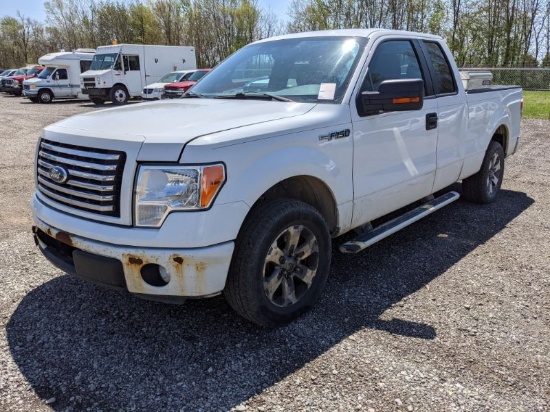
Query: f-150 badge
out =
(335, 135)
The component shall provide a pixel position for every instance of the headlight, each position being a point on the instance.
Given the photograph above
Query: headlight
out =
(158, 90)
(98, 80)
(163, 189)
(33, 86)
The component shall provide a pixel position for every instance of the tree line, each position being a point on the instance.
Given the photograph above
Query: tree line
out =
(481, 33)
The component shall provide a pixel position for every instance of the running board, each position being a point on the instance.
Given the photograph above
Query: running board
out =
(389, 228)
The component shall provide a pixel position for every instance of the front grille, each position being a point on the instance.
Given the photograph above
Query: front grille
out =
(93, 181)
(89, 82)
(147, 91)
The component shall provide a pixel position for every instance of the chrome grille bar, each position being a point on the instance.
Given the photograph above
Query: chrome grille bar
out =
(73, 152)
(64, 160)
(76, 183)
(77, 173)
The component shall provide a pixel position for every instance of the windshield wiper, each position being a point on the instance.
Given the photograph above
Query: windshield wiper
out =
(254, 95)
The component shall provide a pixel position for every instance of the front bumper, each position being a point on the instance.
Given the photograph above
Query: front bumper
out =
(96, 92)
(30, 92)
(193, 272)
(172, 95)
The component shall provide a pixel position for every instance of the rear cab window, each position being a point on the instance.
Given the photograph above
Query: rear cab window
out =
(442, 74)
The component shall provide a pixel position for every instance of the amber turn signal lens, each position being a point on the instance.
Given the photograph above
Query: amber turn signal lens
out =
(212, 180)
(405, 100)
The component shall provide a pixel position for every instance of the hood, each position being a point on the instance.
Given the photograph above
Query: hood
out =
(187, 83)
(21, 77)
(176, 122)
(32, 80)
(94, 73)
(154, 85)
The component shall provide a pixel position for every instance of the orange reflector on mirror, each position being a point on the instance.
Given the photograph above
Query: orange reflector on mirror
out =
(405, 100)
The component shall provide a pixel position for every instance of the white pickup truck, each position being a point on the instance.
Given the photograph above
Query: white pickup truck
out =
(239, 187)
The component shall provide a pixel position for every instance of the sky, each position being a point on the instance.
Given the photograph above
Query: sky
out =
(35, 8)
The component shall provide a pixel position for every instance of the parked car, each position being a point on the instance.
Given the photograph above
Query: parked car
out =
(244, 193)
(176, 90)
(7, 72)
(6, 81)
(155, 91)
(16, 84)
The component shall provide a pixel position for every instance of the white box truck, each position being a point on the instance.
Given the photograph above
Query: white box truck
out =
(119, 72)
(60, 77)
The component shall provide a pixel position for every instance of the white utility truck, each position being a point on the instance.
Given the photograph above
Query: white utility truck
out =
(120, 72)
(60, 78)
(240, 191)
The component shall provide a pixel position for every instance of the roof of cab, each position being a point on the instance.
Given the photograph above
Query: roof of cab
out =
(351, 33)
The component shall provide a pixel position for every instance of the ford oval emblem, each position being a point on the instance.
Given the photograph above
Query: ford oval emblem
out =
(59, 174)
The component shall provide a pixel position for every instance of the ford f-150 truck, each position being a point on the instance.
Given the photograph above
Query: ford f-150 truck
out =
(240, 191)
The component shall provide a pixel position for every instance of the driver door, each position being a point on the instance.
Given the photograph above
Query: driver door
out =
(394, 152)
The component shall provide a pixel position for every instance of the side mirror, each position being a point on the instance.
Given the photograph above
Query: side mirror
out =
(394, 96)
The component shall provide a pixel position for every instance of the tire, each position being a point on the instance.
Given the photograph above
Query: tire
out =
(119, 95)
(33, 99)
(280, 264)
(44, 96)
(97, 101)
(483, 187)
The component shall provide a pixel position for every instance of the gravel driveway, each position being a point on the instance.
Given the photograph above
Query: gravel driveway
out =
(450, 314)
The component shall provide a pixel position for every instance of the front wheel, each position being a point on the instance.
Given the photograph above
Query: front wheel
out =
(45, 96)
(119, 95)
(280, 264)
(484, 186)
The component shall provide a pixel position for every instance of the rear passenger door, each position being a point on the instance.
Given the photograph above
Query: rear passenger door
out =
(394, 152)
(452, 113)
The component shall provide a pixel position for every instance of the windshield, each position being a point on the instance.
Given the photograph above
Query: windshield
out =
(44, 74)
(20, 72)
(5, 73)
(196, 76)
(103, 61)
(33, 71)
(171, 77)
(315, 69)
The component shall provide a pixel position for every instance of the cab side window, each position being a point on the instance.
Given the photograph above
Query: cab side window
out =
(443, 76)
(61, 74)
(131, 63)
(394, 59)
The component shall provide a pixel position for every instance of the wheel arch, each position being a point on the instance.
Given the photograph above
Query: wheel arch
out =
(502, 137)
(308, 189)
(45, 89)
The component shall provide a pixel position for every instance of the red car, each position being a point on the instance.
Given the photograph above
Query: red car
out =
(16, 85)
(176, 90)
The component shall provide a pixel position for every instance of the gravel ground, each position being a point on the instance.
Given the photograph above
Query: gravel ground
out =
(450, 314)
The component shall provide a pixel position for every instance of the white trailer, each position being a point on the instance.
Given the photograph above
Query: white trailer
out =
(119, 72)
(60, 77)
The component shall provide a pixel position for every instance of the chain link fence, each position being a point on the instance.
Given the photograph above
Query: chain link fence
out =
(528, 79)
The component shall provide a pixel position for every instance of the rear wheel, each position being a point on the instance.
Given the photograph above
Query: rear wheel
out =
(483, 187)
(280, 264)
(119, 95)
(45, 96)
